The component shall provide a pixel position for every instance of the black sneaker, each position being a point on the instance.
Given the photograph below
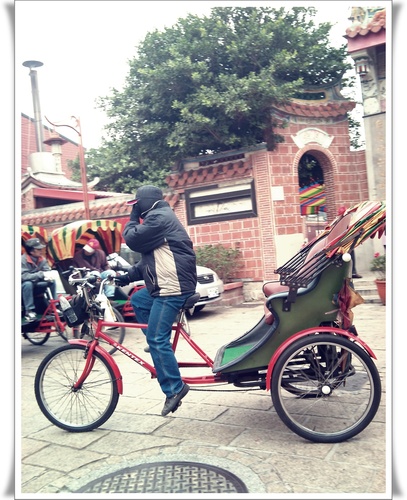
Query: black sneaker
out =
(171, 404)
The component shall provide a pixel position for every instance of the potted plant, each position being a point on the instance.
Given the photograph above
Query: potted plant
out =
(378, 266)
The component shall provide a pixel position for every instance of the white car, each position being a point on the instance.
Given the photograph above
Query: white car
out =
(210, 286)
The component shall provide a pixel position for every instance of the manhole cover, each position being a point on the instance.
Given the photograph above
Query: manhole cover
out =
(167, 477)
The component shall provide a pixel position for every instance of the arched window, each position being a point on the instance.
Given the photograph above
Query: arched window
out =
(312, 188)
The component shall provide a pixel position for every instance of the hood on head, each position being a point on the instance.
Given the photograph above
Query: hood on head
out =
(146, 197)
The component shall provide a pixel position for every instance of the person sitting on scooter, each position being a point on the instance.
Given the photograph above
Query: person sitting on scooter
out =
(168, 267)
(34, 276)
(94, 258)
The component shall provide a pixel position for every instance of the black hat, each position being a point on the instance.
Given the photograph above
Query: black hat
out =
(146, 197)
(34, 243)
(151, 192)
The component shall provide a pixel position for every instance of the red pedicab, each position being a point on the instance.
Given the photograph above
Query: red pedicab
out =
(63, 244)
(323, 380)
(49, 318)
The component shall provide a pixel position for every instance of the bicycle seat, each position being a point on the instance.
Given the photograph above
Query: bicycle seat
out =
(189, 304)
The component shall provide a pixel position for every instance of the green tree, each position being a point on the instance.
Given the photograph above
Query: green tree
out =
(356, 139)
(117, 171)
(207, 85)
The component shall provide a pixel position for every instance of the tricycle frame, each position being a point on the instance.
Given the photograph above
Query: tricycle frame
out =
(260, 377)
(348, 350)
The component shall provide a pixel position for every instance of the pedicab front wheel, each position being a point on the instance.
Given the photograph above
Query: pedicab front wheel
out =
(73, 409)
(325, 388)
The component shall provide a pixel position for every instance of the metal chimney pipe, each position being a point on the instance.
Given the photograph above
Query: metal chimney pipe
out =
(39, 131)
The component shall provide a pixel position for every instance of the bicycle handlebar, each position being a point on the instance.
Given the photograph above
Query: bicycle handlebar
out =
(89, 279)
(88, 283)
(74, 270)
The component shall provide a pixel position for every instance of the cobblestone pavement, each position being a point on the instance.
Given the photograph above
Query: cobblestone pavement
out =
(238, 431)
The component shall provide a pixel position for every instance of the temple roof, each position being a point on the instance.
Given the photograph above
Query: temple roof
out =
(323, 110)
(55, 180)
(210, 173)
(110, 208)
(375, 25)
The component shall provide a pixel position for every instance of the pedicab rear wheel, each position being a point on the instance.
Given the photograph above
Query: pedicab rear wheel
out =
(325, 388)
(36, 338)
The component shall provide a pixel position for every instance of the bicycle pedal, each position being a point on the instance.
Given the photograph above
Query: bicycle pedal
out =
(84, 329)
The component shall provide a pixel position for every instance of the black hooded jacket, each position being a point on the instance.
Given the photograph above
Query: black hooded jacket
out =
(168, 261)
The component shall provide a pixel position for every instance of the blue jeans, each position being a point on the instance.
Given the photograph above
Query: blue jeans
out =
(160, 313)
(29, 288)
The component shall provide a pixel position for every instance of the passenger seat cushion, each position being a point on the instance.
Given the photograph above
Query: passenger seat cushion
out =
(272, 287)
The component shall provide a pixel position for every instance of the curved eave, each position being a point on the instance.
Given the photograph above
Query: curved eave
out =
(210, 173)
(54, 181)
(330, 109)
(373, 27)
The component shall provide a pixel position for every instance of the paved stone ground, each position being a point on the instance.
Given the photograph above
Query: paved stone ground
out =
(238, 431)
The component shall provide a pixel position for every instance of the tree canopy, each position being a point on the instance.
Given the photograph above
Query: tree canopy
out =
(207, 85)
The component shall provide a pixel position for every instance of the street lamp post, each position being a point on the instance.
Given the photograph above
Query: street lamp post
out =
(82, 164)
(39, 136)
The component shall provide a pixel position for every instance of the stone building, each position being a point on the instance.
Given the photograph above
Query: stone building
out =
(367, 46)
(250, 199)
(46, 175)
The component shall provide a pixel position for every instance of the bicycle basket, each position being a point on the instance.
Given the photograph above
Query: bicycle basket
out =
(78, 304)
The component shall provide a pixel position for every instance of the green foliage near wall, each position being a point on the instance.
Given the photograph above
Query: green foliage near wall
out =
(223, 260)
(209, 84)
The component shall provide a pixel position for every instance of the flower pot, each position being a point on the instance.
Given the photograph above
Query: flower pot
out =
(381, 290)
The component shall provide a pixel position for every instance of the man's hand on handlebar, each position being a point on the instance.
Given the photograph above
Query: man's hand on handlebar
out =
(48, 276)
(122, 279)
